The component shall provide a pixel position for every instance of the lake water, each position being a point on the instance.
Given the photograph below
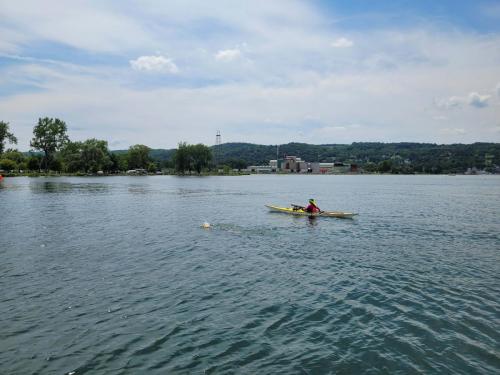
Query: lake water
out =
(114, 275)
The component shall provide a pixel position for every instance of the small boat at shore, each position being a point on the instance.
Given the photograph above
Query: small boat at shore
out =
(299, 211)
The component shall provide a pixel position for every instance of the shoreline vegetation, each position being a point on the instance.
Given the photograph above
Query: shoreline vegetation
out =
(230, 174)
(54, 154)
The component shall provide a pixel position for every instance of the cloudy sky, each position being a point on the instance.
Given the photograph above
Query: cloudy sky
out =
(261, 71)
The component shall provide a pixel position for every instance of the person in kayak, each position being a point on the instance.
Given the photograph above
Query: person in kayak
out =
(313, 207)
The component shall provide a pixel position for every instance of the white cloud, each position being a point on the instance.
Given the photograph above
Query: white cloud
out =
(497, 89)
(107, 108)
(10, 40)
(342, 43)
(385, 83)
(154, 64)
(98, 27)
(449, 103)
(477, 100)
(228, 55)
(473, 99)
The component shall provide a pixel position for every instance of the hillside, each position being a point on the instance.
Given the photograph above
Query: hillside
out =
(407, 157)
(398, 157)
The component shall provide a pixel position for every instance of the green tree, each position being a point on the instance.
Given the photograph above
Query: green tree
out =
(370, 167)
(385, 166)
(182, 158)
(6, 136)
(95, 155)
(49, 137)
(71, 156)
(192, 157)
(56, 164)
(118, 160)
(167, 164)
(122, 162)
(8, 165)
(23, 166)
(34, 162)
(12, 160)
(14, 155)
(138, 157)
(114, 162)
(238, 164)
(152, 167)
(91, 155)
(201, 156)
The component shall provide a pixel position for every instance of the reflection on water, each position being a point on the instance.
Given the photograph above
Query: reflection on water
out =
(138, 189)
(38, 187)
(312, 220)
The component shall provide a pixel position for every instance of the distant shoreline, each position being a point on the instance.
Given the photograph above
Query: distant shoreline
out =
(35, 175)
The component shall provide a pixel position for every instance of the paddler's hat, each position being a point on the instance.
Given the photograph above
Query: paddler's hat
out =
(312, 201)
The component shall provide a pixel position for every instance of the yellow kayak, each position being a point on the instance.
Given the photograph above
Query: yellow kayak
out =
(295, 210)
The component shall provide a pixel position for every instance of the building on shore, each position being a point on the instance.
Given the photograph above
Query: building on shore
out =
(294, 164)
(321, 168)
(274, 165)
(259, 169)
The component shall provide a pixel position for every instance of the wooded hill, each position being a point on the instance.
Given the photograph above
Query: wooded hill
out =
(382, 157)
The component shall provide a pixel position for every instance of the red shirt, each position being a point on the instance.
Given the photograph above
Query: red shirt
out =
(312, 208)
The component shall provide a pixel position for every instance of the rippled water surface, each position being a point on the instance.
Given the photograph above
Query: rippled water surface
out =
(114, 275)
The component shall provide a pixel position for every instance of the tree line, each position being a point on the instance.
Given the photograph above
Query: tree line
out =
(52, 150)
(404, 157)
